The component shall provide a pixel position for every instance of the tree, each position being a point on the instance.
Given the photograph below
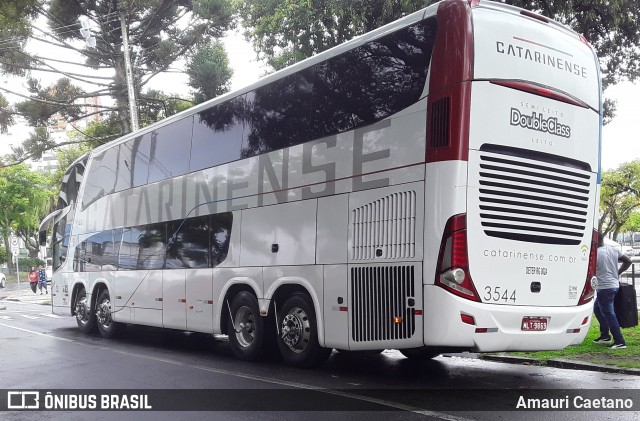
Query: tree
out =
(209, 72)
(287, 31)
(160, 32)
(24, 199)
(15, 28)
(619, 197)
(632, 224)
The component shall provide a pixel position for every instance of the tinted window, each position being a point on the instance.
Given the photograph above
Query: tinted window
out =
(124, 174)
(188, 245)
(220, 235)
(71, 184)
(61, 233)
(373, 81)
(79, 257)
(128, 258)
(278, 114)
(100, 252)
(152, 240)
(140, 153)
(217, 134)
(102, 176)
(170, 150)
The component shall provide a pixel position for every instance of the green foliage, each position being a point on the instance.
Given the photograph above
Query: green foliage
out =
(285, 32)
(592, 353)
(619, 197)
(160, 33)
(157, 105)
(46, 102)
(24, 199)
(29, 262)
(15, 27)
(632, 224)
(6, 115)
(209, 72)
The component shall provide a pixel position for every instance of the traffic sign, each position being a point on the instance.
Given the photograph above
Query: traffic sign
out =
(15, 252)
(14, 242)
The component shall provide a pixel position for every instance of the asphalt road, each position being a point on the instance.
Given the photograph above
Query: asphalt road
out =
(42, 351)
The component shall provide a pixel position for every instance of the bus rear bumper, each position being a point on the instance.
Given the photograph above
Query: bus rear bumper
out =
(499, 327)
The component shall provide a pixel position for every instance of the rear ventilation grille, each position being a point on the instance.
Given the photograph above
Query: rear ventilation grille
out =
(532, 200)
(383, 300)
(439, 123)
(385, 229)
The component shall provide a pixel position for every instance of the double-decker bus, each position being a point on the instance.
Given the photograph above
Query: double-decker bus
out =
(429, 186)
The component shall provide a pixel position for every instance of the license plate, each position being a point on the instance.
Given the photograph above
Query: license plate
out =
(535, 324)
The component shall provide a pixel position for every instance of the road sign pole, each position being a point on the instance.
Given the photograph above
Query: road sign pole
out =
(17, 271)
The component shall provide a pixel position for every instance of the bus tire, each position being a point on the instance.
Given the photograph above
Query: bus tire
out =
(245, 327)
(104, 315)
(420, 354)
(85, 317)
(298, 337)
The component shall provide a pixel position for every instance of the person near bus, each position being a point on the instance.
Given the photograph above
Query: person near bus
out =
(33, 279)
(42, 279)
(608, 273)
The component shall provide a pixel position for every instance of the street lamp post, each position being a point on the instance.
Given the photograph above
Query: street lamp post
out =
(91, 42)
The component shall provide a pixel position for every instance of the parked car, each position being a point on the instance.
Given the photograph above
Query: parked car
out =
(3, 280)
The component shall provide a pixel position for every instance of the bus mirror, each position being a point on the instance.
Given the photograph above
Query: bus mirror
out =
(42, 237)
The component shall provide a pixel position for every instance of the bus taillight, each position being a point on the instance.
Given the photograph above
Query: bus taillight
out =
(453, 263)
(590, 283)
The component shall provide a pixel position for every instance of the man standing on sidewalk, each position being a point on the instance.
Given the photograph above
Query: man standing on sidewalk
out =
(608, 274)
(42, 279)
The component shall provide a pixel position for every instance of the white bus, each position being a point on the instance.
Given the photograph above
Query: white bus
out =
(430, 186)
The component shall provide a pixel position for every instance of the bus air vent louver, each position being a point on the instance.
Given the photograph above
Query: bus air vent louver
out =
(381, 298)
(534, 200)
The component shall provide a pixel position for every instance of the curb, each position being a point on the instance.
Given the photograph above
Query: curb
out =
(562, 363)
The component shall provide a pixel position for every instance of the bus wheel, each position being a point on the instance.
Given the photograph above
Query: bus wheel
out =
(420, 354)
(104, 315)
(84, 316)
(245, 327)
(298, 337)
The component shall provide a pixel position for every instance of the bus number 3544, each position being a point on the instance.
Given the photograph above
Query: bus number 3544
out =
(497, 294)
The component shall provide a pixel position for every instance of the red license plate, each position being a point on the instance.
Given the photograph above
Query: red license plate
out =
(536, 324)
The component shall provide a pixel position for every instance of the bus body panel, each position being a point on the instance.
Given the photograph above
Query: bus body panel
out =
(514, 47)
(501, 325)
(531, 215)
(199, 300)
(279, 234)
(522, 120)
(336, 305)
(332, 229)
(356, 160)
(445, 195)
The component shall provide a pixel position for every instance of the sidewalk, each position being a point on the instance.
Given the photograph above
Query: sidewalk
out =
(25, 295)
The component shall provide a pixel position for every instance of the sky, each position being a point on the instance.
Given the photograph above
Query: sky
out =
(619, 138)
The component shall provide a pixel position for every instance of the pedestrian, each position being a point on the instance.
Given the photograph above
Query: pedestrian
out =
(42, 279)
(608, 274)
(33, 279)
